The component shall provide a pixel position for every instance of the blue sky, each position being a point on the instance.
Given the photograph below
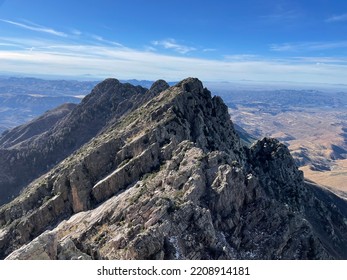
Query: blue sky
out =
(283, 40)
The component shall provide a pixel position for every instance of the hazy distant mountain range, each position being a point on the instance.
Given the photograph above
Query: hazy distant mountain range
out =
(22, 99)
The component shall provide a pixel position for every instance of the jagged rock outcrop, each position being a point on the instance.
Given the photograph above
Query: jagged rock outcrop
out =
(172, 180)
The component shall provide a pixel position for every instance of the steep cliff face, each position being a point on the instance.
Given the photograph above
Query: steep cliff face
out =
(171, 180)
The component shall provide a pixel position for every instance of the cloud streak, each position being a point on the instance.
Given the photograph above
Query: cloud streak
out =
(173, 45)
(280, 16)
(307, 46)
(76, 32)
(99, 58)
(101, 61)
(35, 27)
(242, 57)
(337, 18)
(102, 40)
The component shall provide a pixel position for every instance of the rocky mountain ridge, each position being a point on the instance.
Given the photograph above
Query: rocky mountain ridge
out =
(35, 155)
(170, 179)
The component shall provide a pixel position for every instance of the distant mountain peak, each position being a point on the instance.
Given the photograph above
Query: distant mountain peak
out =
(159, 86)
(193, 85)
(106, 84)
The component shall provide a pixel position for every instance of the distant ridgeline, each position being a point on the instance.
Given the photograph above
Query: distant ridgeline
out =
(23, 99)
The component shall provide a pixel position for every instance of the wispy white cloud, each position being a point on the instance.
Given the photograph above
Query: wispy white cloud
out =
(25, 42)
(43, 56)
(337, 18)
(102, 40)
(76, 32)
(284, 47)
(209, 50)
(8, 45)
(150, 49)
(242, 57)
(307, 46)
(173, 45)
(35, 27)
(281, 16)
(322, 59)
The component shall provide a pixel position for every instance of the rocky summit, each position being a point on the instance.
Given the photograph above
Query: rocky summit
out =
(132, 173)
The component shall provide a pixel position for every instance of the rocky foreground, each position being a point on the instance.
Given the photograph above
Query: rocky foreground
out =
(167, 177)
